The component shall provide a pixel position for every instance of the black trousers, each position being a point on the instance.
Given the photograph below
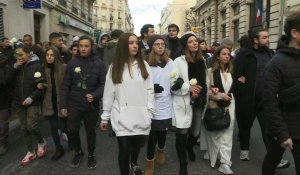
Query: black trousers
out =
(274, 155)
(155, 137)
(129, 147)
(4, 126)
(55, 124)
(245, 123)
(89, 118)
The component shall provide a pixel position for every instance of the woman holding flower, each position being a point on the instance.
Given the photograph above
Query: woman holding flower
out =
(189, 98)
(161, 67)
(27, 101)
(128, 101)
(54, 73)
(220, 95)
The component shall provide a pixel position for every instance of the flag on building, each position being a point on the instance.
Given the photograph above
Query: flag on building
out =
(259, 14)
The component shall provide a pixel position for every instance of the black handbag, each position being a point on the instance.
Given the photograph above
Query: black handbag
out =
(216, 119)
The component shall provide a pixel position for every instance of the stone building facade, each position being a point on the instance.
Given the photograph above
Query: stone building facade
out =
(69, 17)
(175, 13)
(218, 19)
(112, 14)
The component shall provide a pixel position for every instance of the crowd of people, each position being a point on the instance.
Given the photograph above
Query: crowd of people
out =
(140, 87)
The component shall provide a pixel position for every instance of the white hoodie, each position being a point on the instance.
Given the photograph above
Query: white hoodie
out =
(130, 104)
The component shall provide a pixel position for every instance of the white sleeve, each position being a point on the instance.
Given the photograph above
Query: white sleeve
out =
(108, 96)
(150, 90)
(185, 86)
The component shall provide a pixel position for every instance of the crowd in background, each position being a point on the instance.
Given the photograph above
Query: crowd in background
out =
(141, 87)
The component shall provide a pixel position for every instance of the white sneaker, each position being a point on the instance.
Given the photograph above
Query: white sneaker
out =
(28, 158)
(225, 169)
(206, 155)
(283, 164)
(64, 136)
(42, 149)
(244, 155)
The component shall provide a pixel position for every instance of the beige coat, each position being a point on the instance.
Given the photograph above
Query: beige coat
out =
(47, 102)
(219, 143)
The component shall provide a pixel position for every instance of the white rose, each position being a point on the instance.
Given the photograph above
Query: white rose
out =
(193, 81)
(37, 75)
(77, 70)
(13, 40)
(172, 74)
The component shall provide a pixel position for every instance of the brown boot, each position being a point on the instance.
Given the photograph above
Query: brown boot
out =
(149, 167)
(160, 157)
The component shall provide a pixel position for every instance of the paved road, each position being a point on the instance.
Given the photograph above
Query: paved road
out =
(106, 151)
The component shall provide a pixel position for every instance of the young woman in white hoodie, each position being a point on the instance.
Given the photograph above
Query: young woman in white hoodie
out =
(161, 67)
(128, 101)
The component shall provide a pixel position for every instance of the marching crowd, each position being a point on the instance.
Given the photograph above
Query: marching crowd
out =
(143, 86)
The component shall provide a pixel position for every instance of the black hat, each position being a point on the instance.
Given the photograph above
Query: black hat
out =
(201, 40)
(152, 39)
(216, 43)
(184, 39)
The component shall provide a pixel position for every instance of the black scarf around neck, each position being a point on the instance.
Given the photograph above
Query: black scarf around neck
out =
(218, 81)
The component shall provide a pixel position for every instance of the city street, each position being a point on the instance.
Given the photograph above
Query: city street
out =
(106, 151)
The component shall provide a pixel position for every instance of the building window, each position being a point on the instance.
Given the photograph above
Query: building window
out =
(236, 10)
(223, 27)
(62, 3)
(82, 6)
(119, 15)
(1, 24)
(111, 2)
(236, 34)
(110, 26)
(95, 12)
(223, 15)
(120, 3)
(111, 17)
(119, 26)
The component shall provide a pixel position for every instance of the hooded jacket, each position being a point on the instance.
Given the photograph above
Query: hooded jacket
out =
(282, 73)
(110, 52)
(6, 76)
(26, 85)
(98, 47)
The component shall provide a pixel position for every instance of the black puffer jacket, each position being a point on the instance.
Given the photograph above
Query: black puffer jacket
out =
(73, 96)
(6, 76)
(26, 85)
(282, 74)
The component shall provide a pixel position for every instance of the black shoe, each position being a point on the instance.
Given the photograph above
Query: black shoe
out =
(77, 158)
(183, 170)
(3, 149)
(191, 153)
(135, 169)
(91, 162)
(283, 164)
(58, 153)
(191, 141)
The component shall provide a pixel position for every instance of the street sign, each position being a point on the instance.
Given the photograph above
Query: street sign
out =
(32, 4)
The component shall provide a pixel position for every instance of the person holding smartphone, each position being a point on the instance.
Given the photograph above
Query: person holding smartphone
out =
(220, 95)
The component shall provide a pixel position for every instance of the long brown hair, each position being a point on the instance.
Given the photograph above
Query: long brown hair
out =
(216, 63)
(58, 63)
(151, 59)
(189, 55)
(122, 57)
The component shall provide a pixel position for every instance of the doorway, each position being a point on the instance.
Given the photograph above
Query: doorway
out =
(37, 28)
